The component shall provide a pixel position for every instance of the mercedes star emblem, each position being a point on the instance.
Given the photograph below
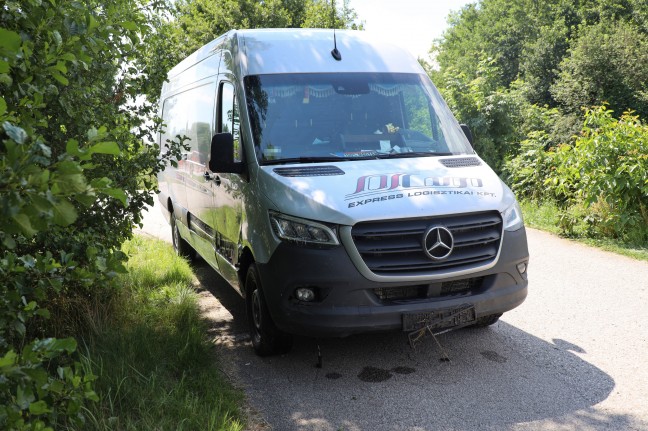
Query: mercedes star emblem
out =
(438, 242)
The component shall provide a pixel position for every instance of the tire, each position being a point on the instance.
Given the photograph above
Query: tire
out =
(485, 321)
(181, 247)
(267, 339)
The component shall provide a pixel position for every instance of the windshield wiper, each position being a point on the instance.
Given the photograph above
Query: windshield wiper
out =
(413, 154)
(308, 160)
(372, 156)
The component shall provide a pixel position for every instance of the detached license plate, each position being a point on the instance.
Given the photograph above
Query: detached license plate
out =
(439, 319)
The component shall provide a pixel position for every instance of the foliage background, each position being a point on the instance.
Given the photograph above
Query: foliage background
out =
(556, 95)
(74, 178)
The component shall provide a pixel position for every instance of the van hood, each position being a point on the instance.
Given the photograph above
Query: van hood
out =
(353, 191)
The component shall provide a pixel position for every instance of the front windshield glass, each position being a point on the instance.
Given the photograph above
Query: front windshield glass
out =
(326, 117)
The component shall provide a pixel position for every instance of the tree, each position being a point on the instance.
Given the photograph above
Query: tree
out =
(607, 63)
(554, 54)
(529, 39)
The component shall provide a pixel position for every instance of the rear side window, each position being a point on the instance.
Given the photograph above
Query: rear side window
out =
(191, 114)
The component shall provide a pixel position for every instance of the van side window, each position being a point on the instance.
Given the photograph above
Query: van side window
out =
(229, 117)
(190, 114)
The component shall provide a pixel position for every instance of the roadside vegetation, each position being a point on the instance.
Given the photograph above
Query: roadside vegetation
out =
(546, 216)
(148, 349)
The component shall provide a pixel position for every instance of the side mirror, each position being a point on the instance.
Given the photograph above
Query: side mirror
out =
(222, 155)
(467, 132)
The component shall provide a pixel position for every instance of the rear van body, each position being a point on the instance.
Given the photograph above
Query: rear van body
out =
(328, 182)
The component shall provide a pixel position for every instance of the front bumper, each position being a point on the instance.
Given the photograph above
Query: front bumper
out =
(348, 303)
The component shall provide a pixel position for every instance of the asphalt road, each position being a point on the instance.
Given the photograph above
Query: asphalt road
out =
(574, 356)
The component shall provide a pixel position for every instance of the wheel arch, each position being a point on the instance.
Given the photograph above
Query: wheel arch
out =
(245, 260)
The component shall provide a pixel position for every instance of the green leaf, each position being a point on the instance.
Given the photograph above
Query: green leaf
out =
(92, 23)
(3, 106)
(57, 37)
(129, 25)
(63, 344)
(43, 312)
(4, 66)
(72, 147)
(68, 56)
(9, 242)
(14, 132)
(60, 78)
(68, 167)
(64, 213)
(117, 194)
(71, 183)
(8, 359)
(101, 183)
(86, 199)
(60, 66)
(24, 396)
(105, 148)
(5, 79)
(25, 225)
(9, 40)
(39, 408)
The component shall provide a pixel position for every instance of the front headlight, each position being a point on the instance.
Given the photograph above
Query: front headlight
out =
(513, 217)
(302, 231)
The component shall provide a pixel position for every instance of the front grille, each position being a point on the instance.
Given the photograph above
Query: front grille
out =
(395, 247)
(387, 294)
(433, 290)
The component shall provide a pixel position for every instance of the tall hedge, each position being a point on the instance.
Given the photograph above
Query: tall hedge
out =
(75, 174)
(600, 182)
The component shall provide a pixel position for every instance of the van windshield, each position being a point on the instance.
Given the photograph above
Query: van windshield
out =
(344, 116)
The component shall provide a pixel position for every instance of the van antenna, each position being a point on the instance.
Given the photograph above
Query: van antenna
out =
(335, 53)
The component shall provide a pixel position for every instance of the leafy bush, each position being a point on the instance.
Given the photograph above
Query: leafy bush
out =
(600, 182)
(74, 177)
(606, 172)
(528, 172)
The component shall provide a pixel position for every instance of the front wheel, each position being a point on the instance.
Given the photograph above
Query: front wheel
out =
(485, 321)
(267, 339)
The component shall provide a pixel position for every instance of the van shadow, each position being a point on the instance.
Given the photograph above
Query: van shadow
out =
(497, 377)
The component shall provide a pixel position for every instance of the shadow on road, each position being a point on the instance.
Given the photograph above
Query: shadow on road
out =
(498, 378)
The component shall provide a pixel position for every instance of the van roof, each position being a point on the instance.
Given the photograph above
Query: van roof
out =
(269, 51)
(309, 51)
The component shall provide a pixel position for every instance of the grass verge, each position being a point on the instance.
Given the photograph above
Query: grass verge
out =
(545, 216)
(155, 368)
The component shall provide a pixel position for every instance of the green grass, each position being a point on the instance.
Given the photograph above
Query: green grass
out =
(545, 216)
(155, 368)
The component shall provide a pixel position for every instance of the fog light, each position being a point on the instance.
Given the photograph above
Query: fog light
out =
(305, 294)
(522, 267)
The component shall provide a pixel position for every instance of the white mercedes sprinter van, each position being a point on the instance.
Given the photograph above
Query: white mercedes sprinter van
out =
(330, 184)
